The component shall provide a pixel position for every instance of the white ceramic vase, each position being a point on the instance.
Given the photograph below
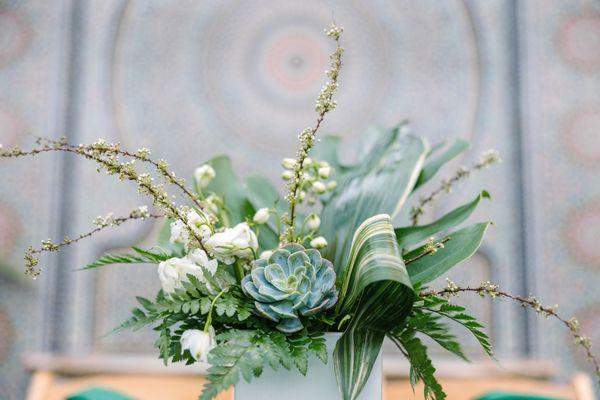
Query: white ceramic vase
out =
(318, 384)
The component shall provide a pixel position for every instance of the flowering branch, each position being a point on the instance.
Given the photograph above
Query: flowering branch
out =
(486, 159)
(31, 261)
(107, 157)
(325, 103)
(493, 292)
(431, 247)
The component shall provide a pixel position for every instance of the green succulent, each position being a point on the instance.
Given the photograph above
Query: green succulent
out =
(293, 282)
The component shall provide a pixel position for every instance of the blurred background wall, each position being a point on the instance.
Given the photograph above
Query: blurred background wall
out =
(192, 79)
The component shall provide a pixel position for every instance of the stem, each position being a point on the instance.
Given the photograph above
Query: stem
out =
(212, 305)
(426, 253)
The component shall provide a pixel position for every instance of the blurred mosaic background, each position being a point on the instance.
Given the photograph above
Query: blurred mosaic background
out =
(192, 79)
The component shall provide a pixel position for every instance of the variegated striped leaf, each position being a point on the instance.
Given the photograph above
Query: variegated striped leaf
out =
(376, 294)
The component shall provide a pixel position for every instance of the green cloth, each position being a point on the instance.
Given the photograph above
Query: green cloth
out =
(513, 396)
(99, 394)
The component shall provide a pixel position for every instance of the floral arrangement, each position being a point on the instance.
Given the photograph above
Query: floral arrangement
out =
(251, 280)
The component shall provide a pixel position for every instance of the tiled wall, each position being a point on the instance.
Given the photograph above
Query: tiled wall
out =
(192, 79)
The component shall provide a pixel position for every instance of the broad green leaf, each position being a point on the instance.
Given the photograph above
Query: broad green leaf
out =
(380, 183)
(226, 185)
(327, 150)
(353, 359)
(433, 166)
(242, 201)
(376, 291)
(462, 245)
(411, 235)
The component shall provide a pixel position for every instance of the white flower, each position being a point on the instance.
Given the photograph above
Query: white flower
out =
(331, 185)
(313, 222)
(238, 241)
(261, 216)
(266, 254)
(288, 163)
(319, 187)
(199, 343)
(199, 257)
(287, 175)
(199, 223)
(324, 171)
(174, 271)
(307, 161)
(318, 242)
(203, 175)
(179, 233)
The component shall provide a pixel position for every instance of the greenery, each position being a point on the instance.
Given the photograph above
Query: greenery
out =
(253, 280)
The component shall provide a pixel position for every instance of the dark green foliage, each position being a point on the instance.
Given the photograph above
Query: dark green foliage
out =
(440, 306)
(243, 354)
(139, 257)
(421, 367)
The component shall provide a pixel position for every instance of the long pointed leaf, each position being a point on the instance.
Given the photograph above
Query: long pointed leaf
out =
(379, 184)
(433, 166)
(462, 245)
(411, 235)
(377, 293)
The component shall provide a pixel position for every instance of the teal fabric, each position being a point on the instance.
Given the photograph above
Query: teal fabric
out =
(98, 394)
(513, 396)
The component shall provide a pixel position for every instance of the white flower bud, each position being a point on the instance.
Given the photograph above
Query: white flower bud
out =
(287, 175)
(319, 187)
(331, 185)
(261, 216)
(266, 254)
(198, 343)
(307, 161)
(324, 172)
(313, 222)
(204, 175)
(318, 242)
(288, 163)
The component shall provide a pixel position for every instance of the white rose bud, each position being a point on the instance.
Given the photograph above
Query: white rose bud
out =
(198, 343)
(318, 242)
(239, 241)
(203, 175)
(261, 216)
(287, 175)
(266, 254)
(288, 163)
(174, 271)
(199, 223)
(325, 172)
(313, 222)
(319, 187)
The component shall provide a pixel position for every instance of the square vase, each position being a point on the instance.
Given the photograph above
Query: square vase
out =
(318, 384)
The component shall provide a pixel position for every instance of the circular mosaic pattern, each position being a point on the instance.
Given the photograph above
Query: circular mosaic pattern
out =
(11, 126)
(6, 334)
(582, 136)
(242, 78)
(14, 36)
(9, 230)
(579, 42)
(582, 232)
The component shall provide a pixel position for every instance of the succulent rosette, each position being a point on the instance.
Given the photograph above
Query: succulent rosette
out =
(294, 282)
